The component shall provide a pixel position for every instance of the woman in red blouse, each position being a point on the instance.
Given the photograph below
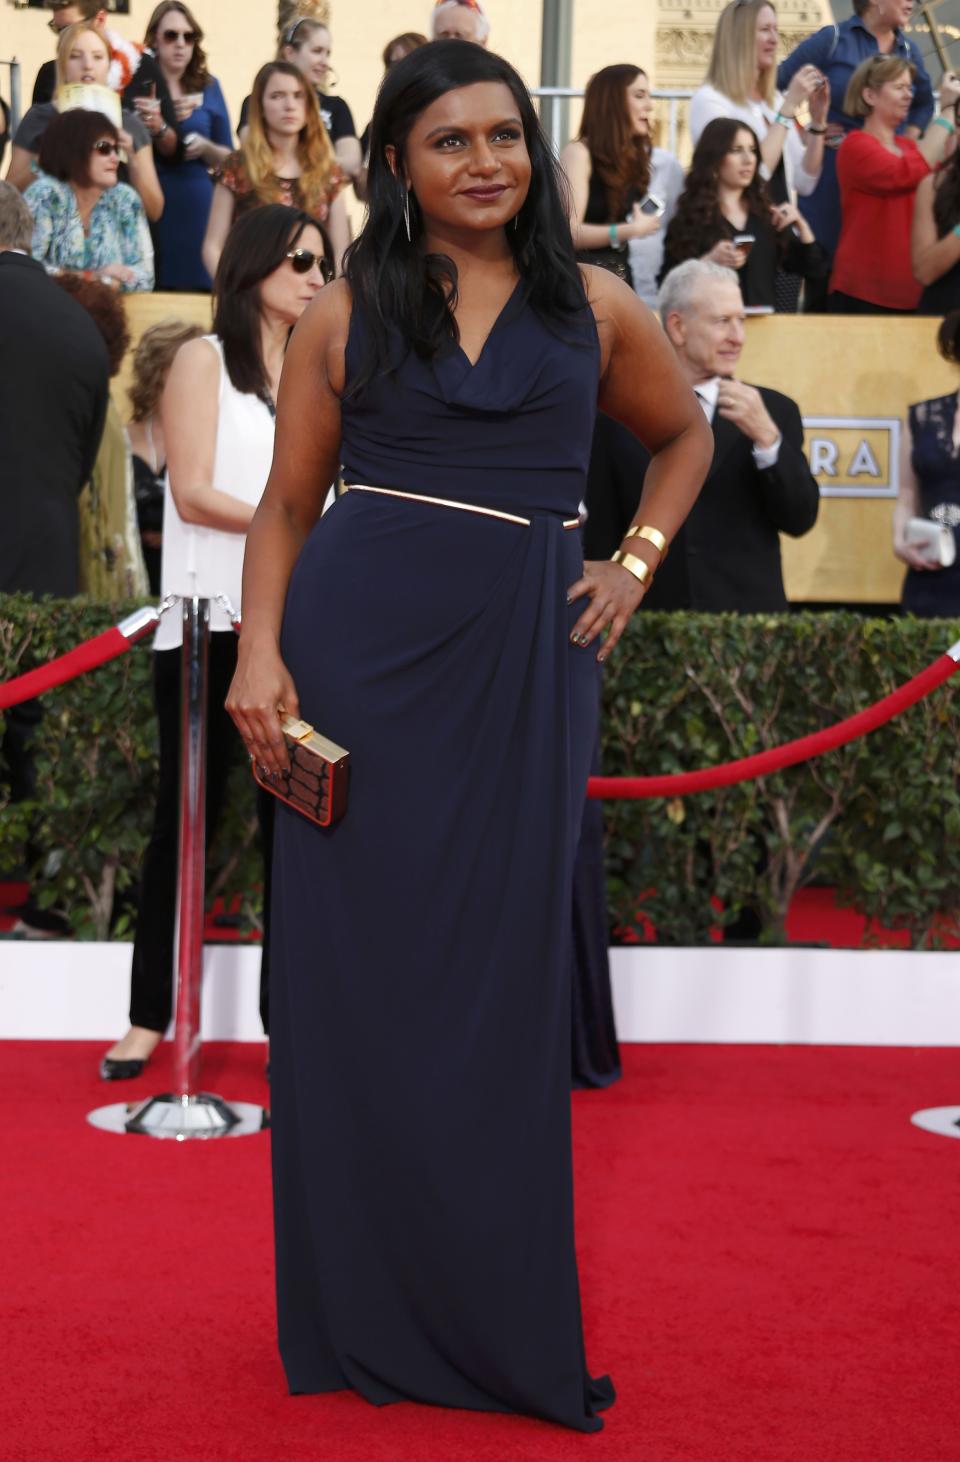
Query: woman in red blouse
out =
(286, 157)
(878, 170)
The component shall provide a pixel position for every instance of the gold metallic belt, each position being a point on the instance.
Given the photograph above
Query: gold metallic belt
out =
(443, 502)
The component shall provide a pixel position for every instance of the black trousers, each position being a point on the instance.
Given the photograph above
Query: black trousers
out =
(20, 723)
(151, 976)
(848, 304)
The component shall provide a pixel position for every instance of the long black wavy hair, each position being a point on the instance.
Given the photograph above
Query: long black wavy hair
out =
(256, 245)
(698, 223)
(396, 285)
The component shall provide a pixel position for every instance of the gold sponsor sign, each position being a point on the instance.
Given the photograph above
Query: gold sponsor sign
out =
(854, 456)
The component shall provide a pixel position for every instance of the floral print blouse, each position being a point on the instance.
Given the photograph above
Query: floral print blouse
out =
(234, 176)
(118, 232)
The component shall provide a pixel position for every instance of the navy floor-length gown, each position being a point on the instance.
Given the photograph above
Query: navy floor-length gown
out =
(421, 1001)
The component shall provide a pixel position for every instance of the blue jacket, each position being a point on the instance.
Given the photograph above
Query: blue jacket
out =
(837, 51)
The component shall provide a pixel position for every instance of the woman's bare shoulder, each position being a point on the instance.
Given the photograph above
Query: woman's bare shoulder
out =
(197, 360)
(611, 298)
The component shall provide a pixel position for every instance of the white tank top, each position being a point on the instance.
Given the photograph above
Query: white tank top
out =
(207, 561)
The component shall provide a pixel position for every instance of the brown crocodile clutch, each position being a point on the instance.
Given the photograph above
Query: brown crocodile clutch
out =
(316, 784)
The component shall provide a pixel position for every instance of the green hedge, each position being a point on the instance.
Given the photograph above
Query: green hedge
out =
(879, 820)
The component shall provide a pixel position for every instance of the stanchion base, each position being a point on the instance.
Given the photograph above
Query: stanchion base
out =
(181, 1117)
(945, 1121)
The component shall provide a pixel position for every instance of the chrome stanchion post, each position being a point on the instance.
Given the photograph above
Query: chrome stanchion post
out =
(187, 1112)
(195, 665)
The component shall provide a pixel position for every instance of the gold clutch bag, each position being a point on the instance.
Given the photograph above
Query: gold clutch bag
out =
(316, 784)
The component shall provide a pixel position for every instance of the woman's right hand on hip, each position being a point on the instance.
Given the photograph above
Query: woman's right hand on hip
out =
(261, 692)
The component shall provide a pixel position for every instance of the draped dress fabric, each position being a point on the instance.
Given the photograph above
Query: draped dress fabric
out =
(421, 1003)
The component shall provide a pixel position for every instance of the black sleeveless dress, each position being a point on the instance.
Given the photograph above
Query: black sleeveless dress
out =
(420, 1006)
(617, 260)
(931, 593)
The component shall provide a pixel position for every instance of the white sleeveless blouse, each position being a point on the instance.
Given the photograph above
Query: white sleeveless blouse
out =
(207, 561)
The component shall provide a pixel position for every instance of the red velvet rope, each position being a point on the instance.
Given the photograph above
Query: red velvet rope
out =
(116, 640)
(679, 784)
(87, 656)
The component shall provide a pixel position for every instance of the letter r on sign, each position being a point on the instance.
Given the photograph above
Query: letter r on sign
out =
(823, 457)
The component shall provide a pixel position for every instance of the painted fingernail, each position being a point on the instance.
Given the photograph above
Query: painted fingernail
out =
(569, 598)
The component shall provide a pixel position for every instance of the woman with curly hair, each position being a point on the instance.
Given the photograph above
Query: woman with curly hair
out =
(203, 125)
(725, 215)
(286, 157)
(612, 166)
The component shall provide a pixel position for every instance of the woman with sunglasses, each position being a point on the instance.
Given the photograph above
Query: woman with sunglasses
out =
(83, 218)
(217, 414)
(83, 57)
(306, 43)
(439, 622)
(204, 130)
(286, 157)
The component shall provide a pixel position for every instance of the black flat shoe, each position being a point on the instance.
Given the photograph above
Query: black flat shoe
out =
(111, 1070)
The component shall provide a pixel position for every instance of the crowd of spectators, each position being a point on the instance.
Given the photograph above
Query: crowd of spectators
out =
(837, 145)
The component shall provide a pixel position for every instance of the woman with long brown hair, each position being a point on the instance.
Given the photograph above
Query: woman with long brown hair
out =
(286, 157)
(725, 215)
(305, 41)
(613, 167)
(174, 36)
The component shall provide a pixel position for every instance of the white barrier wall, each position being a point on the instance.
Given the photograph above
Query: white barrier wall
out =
(66, 991)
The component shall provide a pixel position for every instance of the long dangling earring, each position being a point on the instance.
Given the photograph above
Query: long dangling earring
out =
(406, 214)
(515, 222)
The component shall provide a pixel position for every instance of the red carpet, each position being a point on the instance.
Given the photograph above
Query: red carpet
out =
(767, 1257)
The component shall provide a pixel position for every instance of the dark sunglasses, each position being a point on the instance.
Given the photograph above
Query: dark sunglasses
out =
(303, 261)
(107, 148)
(170, 36)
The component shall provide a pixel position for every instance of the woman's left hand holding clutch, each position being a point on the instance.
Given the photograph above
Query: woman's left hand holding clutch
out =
(261, 689)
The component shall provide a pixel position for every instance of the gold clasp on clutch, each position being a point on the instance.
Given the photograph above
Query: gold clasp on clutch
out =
(298, 730)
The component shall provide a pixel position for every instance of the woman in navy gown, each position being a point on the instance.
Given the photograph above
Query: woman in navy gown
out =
(439, 622)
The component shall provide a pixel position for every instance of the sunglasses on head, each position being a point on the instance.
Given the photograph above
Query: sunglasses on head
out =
(107, 148)
(303, 261)
(172, 36)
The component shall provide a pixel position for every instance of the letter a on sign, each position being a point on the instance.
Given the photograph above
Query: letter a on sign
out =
(864, 462)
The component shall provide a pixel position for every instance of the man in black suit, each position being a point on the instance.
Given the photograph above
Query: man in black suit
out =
(54, 380)
(727, 554)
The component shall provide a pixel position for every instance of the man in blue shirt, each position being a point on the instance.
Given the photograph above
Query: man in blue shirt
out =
(837, 51)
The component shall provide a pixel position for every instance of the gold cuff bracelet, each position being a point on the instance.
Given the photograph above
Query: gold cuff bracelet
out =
(633, 565)
(652, 535)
